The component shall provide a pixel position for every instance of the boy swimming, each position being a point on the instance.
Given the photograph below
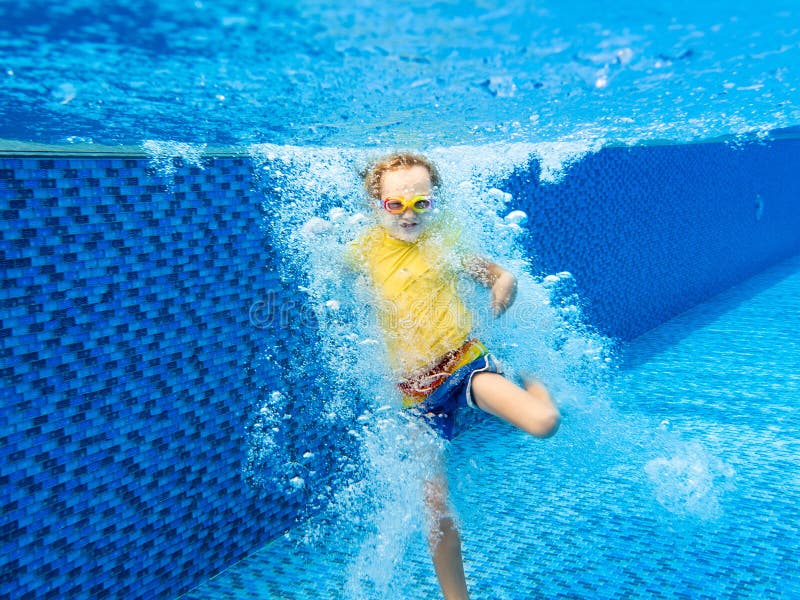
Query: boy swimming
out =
(439, 366)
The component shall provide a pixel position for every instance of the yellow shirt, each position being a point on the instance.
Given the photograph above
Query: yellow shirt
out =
(419, 309)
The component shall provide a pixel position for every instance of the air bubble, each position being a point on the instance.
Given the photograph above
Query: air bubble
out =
(516, 217)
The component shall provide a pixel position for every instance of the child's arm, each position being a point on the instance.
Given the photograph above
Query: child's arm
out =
(502, 283)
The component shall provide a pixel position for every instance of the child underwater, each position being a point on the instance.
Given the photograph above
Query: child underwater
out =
(438, 366)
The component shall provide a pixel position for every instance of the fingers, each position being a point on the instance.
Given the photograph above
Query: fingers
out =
(504, 292)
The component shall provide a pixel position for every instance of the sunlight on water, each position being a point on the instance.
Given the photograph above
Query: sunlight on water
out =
(366, 72)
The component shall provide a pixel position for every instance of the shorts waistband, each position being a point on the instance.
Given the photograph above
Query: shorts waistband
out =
(417, 388)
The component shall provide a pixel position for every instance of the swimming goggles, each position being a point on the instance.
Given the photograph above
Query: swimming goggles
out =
(398, 204)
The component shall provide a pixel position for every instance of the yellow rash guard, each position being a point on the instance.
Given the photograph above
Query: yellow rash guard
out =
(419, 309)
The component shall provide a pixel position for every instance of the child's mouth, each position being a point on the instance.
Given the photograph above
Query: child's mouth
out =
(408, 225)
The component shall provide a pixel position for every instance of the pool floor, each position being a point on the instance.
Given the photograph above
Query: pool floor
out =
(684, 483)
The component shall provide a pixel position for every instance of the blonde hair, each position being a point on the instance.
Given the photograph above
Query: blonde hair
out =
(373, 176)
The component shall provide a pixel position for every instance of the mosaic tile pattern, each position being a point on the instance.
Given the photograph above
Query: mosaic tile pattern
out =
(126, 343)
(576, 516)
(131, 362)
(650, 232)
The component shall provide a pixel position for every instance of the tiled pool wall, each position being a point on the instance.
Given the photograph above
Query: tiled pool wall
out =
(650, 232)
(131, 362)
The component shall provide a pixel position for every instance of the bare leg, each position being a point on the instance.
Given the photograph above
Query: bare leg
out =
(445, 542)
(530, 409)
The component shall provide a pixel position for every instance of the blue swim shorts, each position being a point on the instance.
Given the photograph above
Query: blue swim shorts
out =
(439, 409)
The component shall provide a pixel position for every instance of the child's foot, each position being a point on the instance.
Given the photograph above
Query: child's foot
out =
(535, 387)
(542, 397)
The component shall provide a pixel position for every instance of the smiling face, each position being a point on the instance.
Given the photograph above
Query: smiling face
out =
(405, 183)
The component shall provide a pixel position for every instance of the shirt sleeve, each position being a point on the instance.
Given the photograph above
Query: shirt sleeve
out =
(355, 253)
(456, 247)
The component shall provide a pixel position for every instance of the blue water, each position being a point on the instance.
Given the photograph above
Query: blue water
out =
(674, 476)
(685, 484)
(382, 73)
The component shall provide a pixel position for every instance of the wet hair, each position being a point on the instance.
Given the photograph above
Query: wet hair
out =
(373, 175)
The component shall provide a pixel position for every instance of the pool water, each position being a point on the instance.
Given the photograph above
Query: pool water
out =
(381, 73)
(684, 484)
(675, 477)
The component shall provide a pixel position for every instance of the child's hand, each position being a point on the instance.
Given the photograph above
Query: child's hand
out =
(504, 291)
(503, 283)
